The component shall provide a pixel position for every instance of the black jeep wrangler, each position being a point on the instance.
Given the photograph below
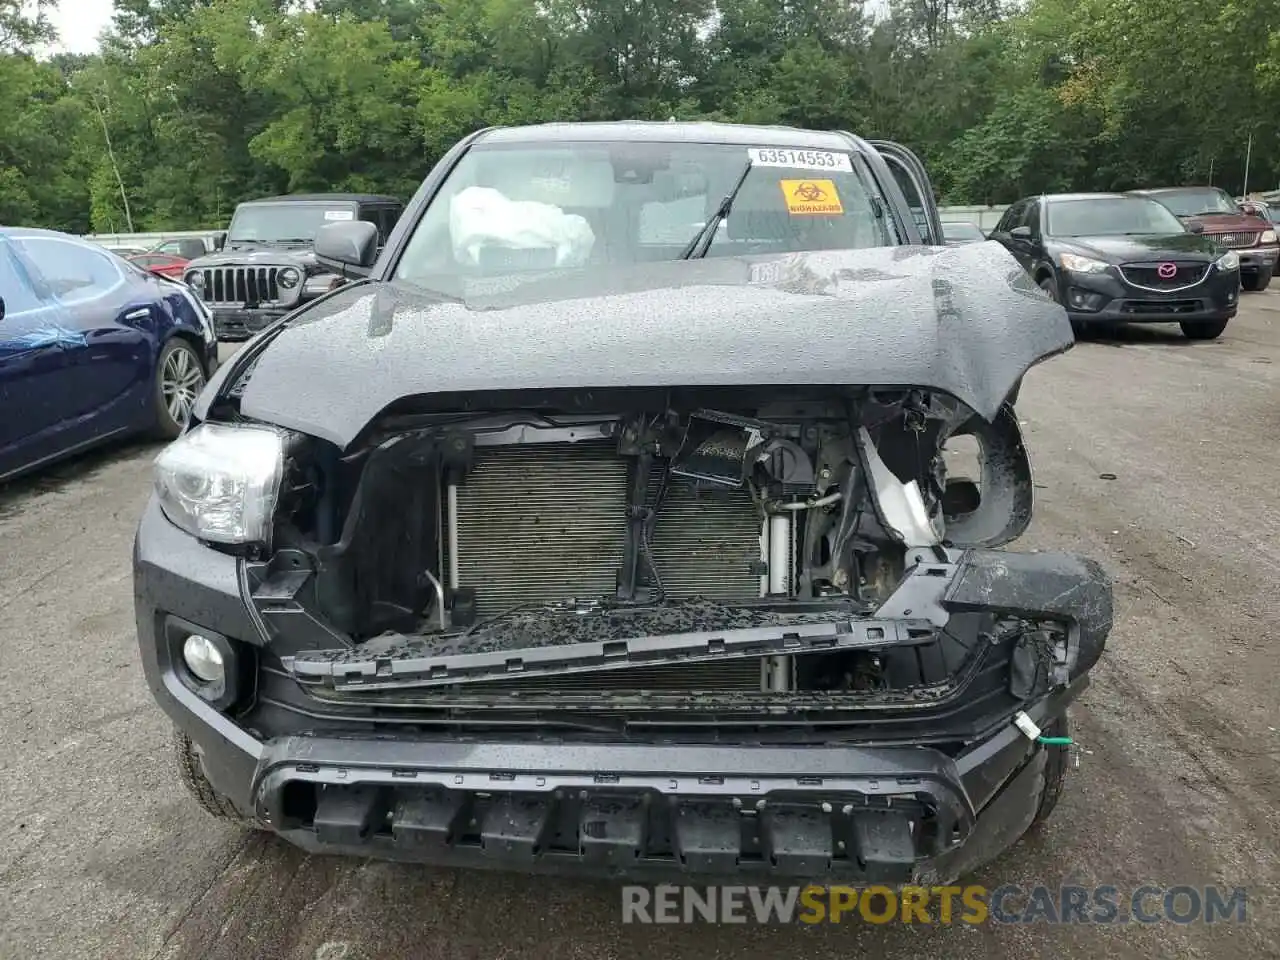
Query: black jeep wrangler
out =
(267, 266)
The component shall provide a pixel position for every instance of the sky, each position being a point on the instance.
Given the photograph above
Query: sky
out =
(78, 23)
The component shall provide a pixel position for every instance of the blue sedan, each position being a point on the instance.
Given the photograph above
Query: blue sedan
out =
(92, 348)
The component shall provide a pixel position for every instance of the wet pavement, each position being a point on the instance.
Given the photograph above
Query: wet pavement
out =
(1159, 456)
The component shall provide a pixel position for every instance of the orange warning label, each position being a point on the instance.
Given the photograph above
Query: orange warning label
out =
(811, 197)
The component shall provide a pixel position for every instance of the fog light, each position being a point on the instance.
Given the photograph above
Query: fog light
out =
(1082, 299)
(203, 659)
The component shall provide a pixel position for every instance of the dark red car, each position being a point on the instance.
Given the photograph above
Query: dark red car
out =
(165, 264)
(1223, 220)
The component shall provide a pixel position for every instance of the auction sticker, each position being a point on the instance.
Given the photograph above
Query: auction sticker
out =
(811, 198)
(339, 215)
(800, 159)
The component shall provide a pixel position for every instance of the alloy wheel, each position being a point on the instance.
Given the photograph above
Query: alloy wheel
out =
(181, 381)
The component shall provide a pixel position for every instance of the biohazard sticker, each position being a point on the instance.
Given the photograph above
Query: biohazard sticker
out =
(811, 198)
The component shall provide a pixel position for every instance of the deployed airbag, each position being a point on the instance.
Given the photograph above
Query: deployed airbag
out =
(481, 218)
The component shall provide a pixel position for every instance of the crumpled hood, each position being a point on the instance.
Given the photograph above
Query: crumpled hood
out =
(964, 320)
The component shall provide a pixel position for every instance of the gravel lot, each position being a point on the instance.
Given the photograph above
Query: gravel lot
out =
(104, 855)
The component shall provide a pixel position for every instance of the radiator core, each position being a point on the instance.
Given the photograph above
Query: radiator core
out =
(538, 523)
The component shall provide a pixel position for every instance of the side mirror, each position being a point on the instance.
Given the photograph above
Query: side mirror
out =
(1, 308)
(1195, 226)
(1020, 233)
(349, 248)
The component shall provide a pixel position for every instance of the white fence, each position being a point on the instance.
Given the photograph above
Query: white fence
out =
(984, 217)
(143, 241)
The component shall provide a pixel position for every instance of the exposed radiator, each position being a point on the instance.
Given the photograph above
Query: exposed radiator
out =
(541, 522)
(547, 522)
(706, 543)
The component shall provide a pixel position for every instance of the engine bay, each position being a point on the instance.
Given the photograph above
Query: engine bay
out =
(609, 518)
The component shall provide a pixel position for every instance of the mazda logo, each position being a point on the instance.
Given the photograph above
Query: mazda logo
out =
(1167, 271)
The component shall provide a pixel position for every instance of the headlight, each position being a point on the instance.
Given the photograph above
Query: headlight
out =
(1228, 261)
(288, 278)
(321, 284)
(195, 280)
(220, 482)
(1079, 264)
(1268, 236)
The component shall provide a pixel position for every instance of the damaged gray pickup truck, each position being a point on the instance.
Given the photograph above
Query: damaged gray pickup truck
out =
(604, 523)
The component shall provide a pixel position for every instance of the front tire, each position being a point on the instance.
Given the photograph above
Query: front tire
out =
(192, 776)
(1256, 282)
(1210, 330)
(1055, 771)
(1050, 286)
(179, 377)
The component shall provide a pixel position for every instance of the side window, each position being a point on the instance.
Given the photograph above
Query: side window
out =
(169, 247)
(1012, 217)
(910, 190)
(372, 215)
(1033, 217)
(390, 217)
(16, 285)
(74, 272)
(913, 180)
(384, 218)
(190, 249)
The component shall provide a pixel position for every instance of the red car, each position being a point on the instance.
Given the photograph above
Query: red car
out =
(165, 264)
(1229, 224)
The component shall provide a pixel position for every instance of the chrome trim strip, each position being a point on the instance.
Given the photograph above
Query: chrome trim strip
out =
(1195, 283)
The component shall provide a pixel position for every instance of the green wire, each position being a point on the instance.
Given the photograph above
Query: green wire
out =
(1054, 741)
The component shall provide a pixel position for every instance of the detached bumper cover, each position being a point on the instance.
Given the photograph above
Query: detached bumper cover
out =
(890, 815)
(240, 324)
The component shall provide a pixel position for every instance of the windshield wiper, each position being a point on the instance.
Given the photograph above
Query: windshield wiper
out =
(701, 242)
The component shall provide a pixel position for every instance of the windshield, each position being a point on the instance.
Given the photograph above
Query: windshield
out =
(1109, 217)
(284, 222)
(1196, 201)
(511, 208)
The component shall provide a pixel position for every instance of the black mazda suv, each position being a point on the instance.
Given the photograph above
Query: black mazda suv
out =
(1111, 258)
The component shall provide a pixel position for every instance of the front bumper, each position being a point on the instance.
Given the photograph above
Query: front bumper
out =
(1259, 259)
(236, 323)
(888, 815)
(1107, 298)
(842, 810)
